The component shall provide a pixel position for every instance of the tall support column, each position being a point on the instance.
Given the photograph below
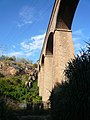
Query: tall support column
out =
(41, 82)
(48, 78)
(39, 71)
(62, 53)
(38, 78)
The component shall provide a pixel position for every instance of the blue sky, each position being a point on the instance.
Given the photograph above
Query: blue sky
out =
(23, 24)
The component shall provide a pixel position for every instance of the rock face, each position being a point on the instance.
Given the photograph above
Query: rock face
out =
(11, 71)
(8, 68)
(58, 47)
(32, 78)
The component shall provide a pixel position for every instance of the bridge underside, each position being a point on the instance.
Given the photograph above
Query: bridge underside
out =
(58, 47)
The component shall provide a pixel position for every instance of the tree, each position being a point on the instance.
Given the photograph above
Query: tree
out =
(71, 99)
(14, 88)
(3, 57)
(23, 60)
(12, 58)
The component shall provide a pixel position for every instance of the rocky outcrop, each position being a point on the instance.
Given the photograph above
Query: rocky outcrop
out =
(15, 68)
(32, 78)
(11, 71)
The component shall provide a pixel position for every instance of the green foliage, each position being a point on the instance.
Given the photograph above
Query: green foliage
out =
(71, 99)
(14, 88)
(13, 58)
(3, 57)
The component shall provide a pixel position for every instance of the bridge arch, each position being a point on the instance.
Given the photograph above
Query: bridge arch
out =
(66, 13)
(49, 46)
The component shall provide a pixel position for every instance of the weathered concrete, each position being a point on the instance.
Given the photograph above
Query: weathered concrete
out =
(48, 77)
(63, 52)
(58, 47)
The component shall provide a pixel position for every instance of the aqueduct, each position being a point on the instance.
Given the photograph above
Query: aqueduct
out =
(57, 48)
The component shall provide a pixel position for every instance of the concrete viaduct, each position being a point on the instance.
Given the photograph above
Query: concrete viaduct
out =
(57, 48)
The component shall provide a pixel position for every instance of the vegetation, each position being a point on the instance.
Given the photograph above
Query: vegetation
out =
(71, 99)
(14, 74)
(14, 88)
(19, 94)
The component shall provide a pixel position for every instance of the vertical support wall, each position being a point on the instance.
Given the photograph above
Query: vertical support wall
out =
(48, 77)
(41, 76)
(63, 52)
(41, 82)
(39, 69)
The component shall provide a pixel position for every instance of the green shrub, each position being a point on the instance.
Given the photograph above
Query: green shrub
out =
(14, 88)
(71, 99)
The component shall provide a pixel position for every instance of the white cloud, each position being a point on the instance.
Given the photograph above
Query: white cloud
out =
(32, 45)
(26, 16)
(23, 23)
(28, 48)
(15, 54)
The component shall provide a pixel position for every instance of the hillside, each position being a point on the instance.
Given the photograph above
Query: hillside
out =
(9, 66)
(18, 81)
